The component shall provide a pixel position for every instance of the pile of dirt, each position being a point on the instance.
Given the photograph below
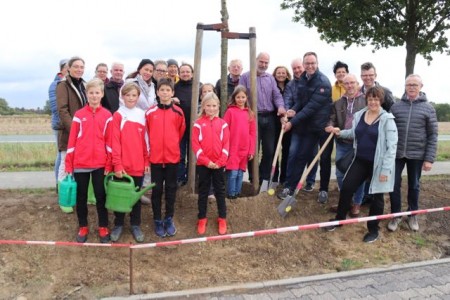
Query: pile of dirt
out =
(45, 272)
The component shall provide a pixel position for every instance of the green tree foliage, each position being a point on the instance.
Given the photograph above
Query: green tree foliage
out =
(442, 111)
(4, 108)
(47, 108)
(420, 25)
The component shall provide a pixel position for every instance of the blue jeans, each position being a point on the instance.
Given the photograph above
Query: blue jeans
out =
(234, 185)
(414, 172)
(58, 155)
(341, 149)
(300, 153)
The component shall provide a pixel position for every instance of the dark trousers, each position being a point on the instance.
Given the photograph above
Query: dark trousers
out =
(267, 138)
(414, 172)
(300, 153)
(182, 172)
(164, 175)
(82, 180)
(135, 214)
(358, 172)
(205, 177)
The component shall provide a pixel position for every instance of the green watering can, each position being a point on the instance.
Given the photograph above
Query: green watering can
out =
(121, 196)
(67, 192)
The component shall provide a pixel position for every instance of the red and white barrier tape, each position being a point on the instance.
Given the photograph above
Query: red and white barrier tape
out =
(230, 236)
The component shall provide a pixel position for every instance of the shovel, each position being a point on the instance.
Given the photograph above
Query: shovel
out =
(266, 186)
(289, 202)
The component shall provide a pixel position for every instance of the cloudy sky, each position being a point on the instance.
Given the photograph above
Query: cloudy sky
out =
(37, 34)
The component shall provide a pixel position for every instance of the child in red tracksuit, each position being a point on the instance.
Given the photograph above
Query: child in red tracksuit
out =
(88, 156)
(242, 124)
(165, 126)
(129, 154)
(210, 143)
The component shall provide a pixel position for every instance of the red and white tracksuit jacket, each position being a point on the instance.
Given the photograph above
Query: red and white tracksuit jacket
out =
(210, 141)
(165, 127)
(89, 145)
(129, 145)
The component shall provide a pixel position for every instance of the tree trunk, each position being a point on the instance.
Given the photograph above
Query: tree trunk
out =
(411, 53)
(223, 62)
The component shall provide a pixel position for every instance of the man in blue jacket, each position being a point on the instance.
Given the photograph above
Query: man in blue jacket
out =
(310, 114)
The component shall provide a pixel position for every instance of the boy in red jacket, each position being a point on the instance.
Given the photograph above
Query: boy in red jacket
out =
(129, 154)
(88, 152)
(165, 126)
(210, 143)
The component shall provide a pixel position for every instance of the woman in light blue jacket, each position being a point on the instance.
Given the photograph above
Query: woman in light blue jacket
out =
(375, 144)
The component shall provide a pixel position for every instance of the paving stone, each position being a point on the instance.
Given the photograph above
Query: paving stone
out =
(428, 291)
(444, 288)
(326, 287)
(423, 282)
(395, 286)
(326, 296)
(345, 294)
(307, 290)
(260, 296)
(388, 296)
(443, 279)
(367, 291)
(281, 294)
(357, 283)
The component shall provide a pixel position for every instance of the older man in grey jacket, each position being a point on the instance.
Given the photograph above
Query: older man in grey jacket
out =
(417, 143)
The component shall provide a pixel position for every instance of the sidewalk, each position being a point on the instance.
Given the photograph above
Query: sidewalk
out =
(419, 280)
(21, 180)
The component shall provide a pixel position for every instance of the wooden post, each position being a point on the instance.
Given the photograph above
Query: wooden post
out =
(194, 102)
(255, 161)
(224, 61)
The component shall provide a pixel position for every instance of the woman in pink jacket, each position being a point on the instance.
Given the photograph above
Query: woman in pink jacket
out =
(241, 121)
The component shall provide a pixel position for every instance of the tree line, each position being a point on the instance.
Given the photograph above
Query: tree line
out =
(442, 110)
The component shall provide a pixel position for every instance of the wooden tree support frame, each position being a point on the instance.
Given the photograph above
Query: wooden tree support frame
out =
(251, 36)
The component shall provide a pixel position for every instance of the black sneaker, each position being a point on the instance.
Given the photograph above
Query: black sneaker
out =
(286, 192)
(308, 187)
(371, 237)
(367, 200)
(331, 227)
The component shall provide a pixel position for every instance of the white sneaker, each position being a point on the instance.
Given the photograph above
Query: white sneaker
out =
(413, 223)
(393, 224)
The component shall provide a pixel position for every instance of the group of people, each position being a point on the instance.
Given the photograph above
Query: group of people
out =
(155, 100)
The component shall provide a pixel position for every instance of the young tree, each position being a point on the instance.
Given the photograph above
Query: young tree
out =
(420, 25)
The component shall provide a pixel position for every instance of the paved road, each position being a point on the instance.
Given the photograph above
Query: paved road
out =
(20, 180)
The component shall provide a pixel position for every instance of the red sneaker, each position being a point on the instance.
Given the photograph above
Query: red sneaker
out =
(82, 234)
(103, 233)
(201, 226)
(222, 225)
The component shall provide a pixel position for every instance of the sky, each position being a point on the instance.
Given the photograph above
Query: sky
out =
(37, 34)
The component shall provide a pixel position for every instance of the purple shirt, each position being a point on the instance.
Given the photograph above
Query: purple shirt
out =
(269, 96)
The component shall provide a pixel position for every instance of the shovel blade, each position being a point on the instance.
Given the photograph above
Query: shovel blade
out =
(264, 186)
(286, 205)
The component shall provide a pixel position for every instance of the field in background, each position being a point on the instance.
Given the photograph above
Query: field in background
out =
(41, 156)
(25, 124)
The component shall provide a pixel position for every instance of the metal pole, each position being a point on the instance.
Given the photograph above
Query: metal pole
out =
(131, 271)
(255, 162)
(194, 102)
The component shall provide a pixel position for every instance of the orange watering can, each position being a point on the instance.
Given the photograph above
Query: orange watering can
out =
(67, 192)
(122, 195)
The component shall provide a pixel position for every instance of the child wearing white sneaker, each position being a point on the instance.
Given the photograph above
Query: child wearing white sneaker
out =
(210, 143)
(129, 154)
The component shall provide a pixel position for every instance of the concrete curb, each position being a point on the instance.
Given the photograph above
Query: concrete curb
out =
(248, 287)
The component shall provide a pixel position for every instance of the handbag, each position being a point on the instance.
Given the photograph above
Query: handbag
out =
(343, 163)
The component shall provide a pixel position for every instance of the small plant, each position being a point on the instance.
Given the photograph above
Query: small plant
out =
(420, 240)
(350, 264)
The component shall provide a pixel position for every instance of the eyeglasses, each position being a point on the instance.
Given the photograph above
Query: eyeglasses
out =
(368, 75)
(161, 71)
(349, 82)
(310, 64)
(414, 85)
